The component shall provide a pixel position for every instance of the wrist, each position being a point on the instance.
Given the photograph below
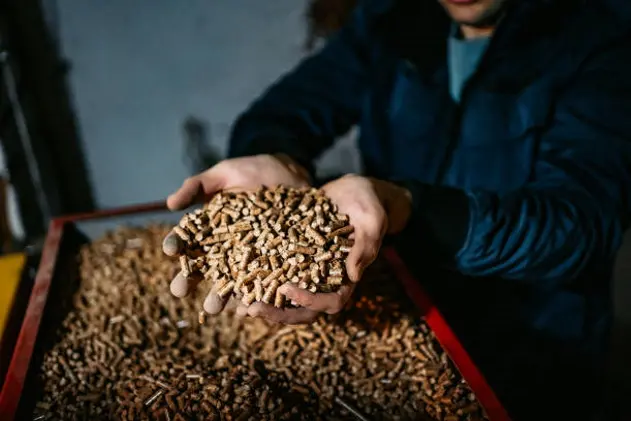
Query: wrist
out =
(397, 203)
(400, 208)
(441, 213)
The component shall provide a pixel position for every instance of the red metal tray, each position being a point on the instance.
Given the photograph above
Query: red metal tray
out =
(18, 373)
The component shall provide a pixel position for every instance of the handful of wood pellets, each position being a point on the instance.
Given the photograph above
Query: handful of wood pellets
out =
(247, 244)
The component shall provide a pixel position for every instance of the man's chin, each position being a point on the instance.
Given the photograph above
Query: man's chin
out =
(477, 14)
(476, 20)
(477, 24)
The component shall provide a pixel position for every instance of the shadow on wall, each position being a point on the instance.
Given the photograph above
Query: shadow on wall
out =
(200, 152)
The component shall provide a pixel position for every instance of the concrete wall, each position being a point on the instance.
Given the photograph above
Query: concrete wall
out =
(140, 68)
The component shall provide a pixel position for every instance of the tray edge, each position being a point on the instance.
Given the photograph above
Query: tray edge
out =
(23, 350)
(448, 339)
(24, 346)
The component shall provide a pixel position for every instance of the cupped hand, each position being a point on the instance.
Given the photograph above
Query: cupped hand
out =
(310, 305)
(375, 207)
(246, 173)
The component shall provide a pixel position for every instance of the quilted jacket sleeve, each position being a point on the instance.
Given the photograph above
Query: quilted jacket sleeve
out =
(573, 214)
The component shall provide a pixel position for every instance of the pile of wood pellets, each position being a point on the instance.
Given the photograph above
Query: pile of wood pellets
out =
(247, 244)
(128, 350)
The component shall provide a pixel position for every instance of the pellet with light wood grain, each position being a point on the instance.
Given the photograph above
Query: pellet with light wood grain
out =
(128, 350)
(247, 244)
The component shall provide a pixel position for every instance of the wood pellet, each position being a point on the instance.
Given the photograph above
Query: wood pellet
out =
(247, 244)
(128, 350)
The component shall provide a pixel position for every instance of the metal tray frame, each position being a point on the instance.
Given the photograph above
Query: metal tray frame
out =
(25, 347)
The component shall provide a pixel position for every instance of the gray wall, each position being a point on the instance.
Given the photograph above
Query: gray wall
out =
(139, 68)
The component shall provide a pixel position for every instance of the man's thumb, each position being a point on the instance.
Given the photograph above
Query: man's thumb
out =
(194, 189)
(354, 263)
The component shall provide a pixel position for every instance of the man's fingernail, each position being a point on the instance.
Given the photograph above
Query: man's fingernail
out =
(213, 304)
(283, 288)
(179, 286)
(171, 245)
(286, 290)
(173, 203)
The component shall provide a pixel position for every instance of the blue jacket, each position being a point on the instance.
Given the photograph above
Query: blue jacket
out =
(537, 153)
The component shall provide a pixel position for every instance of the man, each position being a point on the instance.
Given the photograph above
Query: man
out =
(497, 138)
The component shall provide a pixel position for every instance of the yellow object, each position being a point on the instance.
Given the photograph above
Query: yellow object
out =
(10, 273)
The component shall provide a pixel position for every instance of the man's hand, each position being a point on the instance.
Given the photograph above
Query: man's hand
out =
(311, 305)
(233, 174)
(239, 173)
(375, 207)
